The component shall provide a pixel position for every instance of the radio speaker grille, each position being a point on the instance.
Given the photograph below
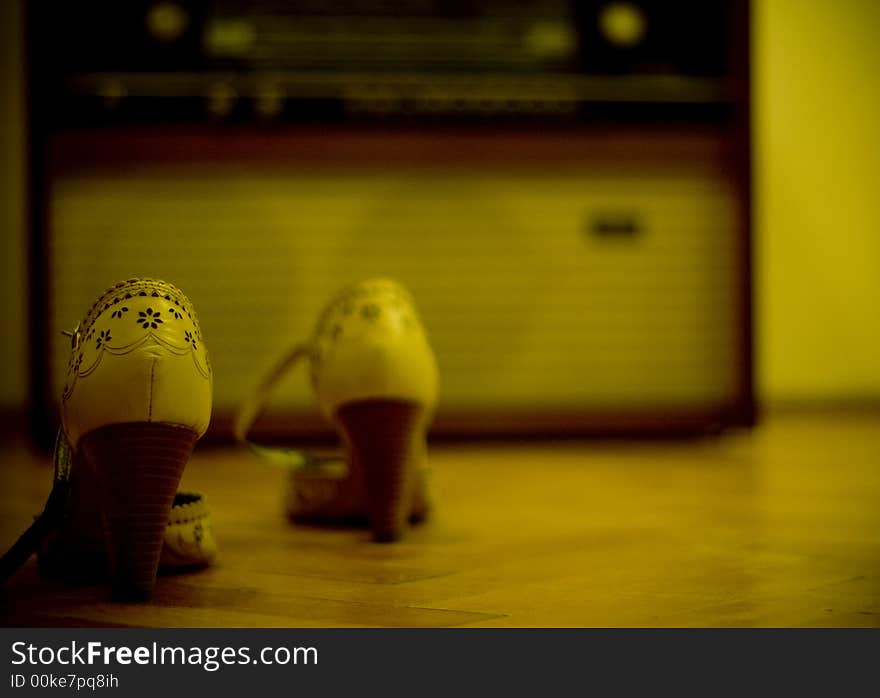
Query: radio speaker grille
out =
(588, 287)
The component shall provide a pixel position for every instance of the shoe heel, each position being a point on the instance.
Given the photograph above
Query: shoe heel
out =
(139, 466)
(386, 441)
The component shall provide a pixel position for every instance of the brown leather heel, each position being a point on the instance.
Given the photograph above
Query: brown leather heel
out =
(138, 467)
(386, 439)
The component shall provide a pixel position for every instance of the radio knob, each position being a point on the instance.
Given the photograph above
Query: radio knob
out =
(623, 24)
(269, 102)
(166, 21)
(221, 100)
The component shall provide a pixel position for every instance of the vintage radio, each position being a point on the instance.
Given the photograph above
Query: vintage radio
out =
(563, 186)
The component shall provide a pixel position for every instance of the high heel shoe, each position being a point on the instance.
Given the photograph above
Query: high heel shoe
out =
(136, 399)
(375, 378)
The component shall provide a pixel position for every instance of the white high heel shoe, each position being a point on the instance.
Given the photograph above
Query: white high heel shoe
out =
(375, 378)
(136, 399)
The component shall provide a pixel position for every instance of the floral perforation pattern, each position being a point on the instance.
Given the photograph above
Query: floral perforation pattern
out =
(363, 307)
(137, 288)
(106, 330)
(370, 311)
(149, 318)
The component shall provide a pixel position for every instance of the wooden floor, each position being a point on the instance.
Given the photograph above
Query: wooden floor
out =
(778, 527)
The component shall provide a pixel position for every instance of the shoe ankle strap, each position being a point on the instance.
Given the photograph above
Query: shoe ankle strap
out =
(51, 516)
(255, 404)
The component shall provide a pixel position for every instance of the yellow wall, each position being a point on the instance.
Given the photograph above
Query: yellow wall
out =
(817, 168)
